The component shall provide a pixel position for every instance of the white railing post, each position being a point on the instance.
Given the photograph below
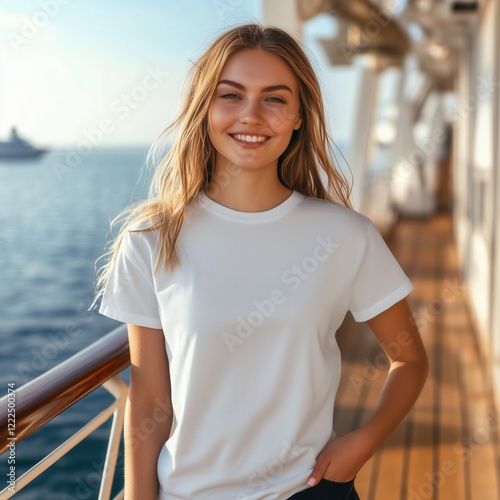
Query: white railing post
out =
(117, 387)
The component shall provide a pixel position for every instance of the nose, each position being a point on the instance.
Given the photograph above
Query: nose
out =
(251, 113)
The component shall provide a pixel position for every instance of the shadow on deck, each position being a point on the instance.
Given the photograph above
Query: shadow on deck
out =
(448, 446)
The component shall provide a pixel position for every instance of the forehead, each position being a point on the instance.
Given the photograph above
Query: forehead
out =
(258, 67)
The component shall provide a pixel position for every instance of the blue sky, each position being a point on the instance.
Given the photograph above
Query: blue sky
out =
(69, 67)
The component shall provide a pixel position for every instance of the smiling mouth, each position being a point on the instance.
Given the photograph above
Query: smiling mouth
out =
(250, 138)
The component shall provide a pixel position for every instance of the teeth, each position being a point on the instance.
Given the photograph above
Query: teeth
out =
(250, 138)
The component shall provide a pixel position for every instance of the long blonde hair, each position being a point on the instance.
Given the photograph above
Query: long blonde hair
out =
(188, 166)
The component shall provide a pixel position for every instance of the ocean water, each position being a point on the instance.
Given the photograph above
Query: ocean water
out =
(54, 223)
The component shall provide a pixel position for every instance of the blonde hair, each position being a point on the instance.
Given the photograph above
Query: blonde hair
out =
(188, 166)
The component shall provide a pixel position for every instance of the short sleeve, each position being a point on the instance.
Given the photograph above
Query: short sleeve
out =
(129, 295)
(380, 282)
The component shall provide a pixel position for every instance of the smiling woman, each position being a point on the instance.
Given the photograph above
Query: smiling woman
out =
(253, 114)
(233, 279)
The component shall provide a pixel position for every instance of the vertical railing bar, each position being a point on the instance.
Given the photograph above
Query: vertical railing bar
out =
(117, 387)
(55, 455)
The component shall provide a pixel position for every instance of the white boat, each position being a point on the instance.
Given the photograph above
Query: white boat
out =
(17, 148)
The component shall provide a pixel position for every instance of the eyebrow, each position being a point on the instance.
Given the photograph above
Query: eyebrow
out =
(266, 89)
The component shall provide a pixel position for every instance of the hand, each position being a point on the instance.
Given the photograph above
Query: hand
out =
(342, 458)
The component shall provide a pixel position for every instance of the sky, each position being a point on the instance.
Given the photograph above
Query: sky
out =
(112, 71)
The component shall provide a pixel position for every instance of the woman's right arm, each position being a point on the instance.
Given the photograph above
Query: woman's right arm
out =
(148, 413)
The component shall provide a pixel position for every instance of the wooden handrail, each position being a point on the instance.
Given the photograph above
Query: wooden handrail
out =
(48, 395)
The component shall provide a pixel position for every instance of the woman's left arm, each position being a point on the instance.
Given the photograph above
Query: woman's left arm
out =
(396, 332)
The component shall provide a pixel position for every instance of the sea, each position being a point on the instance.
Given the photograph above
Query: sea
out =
(55, 215)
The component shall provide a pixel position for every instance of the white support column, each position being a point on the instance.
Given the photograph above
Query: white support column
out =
(398, 103)
(495, 292)
(362, 136)
(461, 162)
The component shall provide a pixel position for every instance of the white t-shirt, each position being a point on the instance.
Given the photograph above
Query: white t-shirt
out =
(249, 318)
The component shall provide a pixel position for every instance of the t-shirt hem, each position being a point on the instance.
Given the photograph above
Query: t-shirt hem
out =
(282, 496)
(126, 317)
(383, 304)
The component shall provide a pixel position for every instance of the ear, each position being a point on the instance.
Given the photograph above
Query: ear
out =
(298, 122)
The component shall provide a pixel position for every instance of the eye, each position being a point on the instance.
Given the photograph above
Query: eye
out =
(278, 100)
(229, 95)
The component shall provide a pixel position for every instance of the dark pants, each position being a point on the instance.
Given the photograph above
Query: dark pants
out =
(328, 490)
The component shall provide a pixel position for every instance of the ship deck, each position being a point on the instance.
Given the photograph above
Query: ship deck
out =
(447, 447)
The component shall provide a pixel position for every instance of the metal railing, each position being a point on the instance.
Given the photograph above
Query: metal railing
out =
(42, 399)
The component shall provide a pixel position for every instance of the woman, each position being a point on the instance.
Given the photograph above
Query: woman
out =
(233, 279)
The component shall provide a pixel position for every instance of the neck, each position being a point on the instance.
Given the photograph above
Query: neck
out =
(247, 190)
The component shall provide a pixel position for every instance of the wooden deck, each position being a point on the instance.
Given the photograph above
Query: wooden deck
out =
(448, 446)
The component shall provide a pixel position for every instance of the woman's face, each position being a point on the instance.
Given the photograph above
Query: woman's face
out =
(254, 110)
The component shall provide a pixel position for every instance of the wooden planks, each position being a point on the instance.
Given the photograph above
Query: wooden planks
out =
(448, 446)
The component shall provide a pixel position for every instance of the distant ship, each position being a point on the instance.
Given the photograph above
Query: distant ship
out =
(17, 148)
